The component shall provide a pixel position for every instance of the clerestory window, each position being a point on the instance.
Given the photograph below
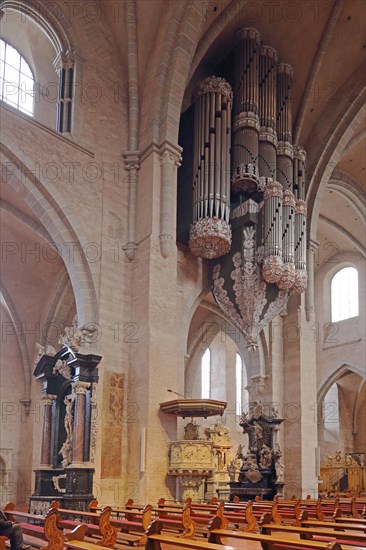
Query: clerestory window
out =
(344, 294)
(16, 79)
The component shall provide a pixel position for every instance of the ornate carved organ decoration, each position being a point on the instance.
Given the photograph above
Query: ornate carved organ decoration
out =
(265, 260)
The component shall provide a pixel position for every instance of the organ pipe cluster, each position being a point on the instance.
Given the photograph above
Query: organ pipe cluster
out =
(265, 165)
(210, 233)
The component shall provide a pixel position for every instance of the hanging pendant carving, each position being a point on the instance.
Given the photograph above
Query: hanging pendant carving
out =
(249, 303)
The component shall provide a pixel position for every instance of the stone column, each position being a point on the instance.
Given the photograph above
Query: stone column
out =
(47, 429)
(170, 161)
(79, 389)
(65, 69)
(309, 293)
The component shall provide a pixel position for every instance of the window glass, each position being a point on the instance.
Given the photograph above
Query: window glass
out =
(239, 383)
(344, 294)
(16, 79)
(206, 374)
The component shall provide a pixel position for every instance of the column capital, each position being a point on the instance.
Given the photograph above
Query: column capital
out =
(80, 387)
(132, 160)
(313, 246)
(48, 398)
(64, 61)
(170, 154)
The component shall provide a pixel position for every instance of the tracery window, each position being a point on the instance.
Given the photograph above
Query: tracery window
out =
(344, 294)
(16, 79)
(206, 374)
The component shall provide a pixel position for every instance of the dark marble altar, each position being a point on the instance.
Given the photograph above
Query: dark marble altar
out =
(261, 472)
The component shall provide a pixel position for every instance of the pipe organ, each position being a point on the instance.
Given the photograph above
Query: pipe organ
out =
(257, 181)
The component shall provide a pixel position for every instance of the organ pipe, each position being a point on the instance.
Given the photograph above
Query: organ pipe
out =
(287, 279)
(272, 234)
(210, 233)
(299, 172)
(246, 103)
(267, 162)
(301, 277)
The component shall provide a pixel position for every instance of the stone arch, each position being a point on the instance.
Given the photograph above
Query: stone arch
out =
(351, 417)
(61, 229)
(183, 24)
(333, 146)
(216, 323)
(334, 376)
(9, 306)
(55, 26)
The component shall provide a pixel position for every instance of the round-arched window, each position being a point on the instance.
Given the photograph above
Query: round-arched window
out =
(344, 294)
(16, 79)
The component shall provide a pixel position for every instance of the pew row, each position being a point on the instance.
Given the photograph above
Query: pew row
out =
(96, 524)
(316, 534)
(337, 526)
(45, 534)
(216, 534)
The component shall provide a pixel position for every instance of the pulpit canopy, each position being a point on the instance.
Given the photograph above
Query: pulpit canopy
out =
(194, 407)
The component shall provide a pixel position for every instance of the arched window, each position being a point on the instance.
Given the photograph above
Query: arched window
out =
(206, 374)
(16, 79)
(344, 294)
(242, 396)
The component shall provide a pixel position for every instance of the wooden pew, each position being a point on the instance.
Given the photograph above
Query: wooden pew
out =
(355, 539)
(155, 537)
(313, 508)
(291, 511)
(202, 514)
(335, 525)
(96, 524)
(174, 518)
(75, 540)
(329, 506)
(268, 542)
(132, 527)
(46, 530)
(342, 519)
(259, 508)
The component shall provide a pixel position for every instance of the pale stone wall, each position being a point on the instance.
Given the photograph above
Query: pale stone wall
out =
(340, 349)
(16, 433)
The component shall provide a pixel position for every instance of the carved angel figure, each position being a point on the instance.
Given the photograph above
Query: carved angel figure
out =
(266, 457)
(258, 436)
